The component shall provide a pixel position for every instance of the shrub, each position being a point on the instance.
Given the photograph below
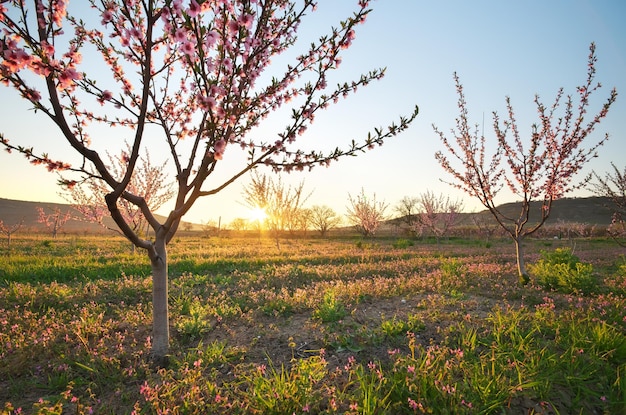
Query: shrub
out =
(399, 327)
(561, 270)
(330, 310)
(402, 243)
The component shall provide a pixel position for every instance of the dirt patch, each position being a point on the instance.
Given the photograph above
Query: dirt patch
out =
(278, 338)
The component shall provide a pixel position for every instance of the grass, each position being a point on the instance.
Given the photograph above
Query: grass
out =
(320, 326)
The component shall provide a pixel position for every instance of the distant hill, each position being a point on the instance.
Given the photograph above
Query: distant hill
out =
(590, 210)
(14, 211)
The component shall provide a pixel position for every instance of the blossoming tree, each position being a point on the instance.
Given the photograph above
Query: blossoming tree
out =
(148, 181)
(365, 213)
(10, 230)
(53, 221)
(541, 169)
(192, 72)
(613, 186)
(438, 213)
(280, 203)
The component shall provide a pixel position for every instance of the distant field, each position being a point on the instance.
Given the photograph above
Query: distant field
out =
(337, 326)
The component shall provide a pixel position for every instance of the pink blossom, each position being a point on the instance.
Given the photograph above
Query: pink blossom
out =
(194, 9)
(219, 146)
(413, 405)
(105, 96)
(107, 17)
(47, 48)
(32, 95)
(67, 77)
(166, 15)
(207, 103)
(246, 20)
(211, 38)
(233, 27)
(188, 48)
(180, 35)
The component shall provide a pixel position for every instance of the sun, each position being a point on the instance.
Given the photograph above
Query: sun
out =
(257, 214)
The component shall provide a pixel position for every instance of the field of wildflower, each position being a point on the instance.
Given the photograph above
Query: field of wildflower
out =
(317, 326)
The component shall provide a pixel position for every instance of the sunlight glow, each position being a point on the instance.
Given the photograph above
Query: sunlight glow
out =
(257, 214)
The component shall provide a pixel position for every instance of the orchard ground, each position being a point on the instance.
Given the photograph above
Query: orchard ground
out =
(339, 325)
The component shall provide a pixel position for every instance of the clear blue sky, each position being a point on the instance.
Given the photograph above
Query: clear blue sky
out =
(498, 48)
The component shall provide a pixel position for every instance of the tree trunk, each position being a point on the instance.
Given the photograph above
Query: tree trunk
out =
(521, 265)
(160, 317)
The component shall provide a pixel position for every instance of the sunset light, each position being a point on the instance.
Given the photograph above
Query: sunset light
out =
(257, 214)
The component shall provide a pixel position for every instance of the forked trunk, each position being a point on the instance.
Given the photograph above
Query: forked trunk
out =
(160, 317)
(521, 265)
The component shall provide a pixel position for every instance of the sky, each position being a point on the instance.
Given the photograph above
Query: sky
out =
(498, 48)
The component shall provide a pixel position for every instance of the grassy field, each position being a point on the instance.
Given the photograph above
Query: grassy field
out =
(339, 326)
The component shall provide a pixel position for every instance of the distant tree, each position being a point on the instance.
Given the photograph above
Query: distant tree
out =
(210, 227)
(365, 213)
(582, 230)
(543, 170)
(299, 220)
(239, 224)
(407, 213)
(147, 181)
(438, 213)
(190, 77)
(280, 203)
(53, 221)
(485, 226)
(324, 218)
(10, 230)
(613, 186)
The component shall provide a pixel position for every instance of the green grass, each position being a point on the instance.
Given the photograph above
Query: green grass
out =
(319, 326)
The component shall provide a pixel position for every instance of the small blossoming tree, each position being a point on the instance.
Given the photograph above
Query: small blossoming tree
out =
(365, 213)
(438, 213)
(542, 169)
(281, 203)
(55, 220)
(148, 181)
(10, 230)
(192, 73)
(613, 186)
